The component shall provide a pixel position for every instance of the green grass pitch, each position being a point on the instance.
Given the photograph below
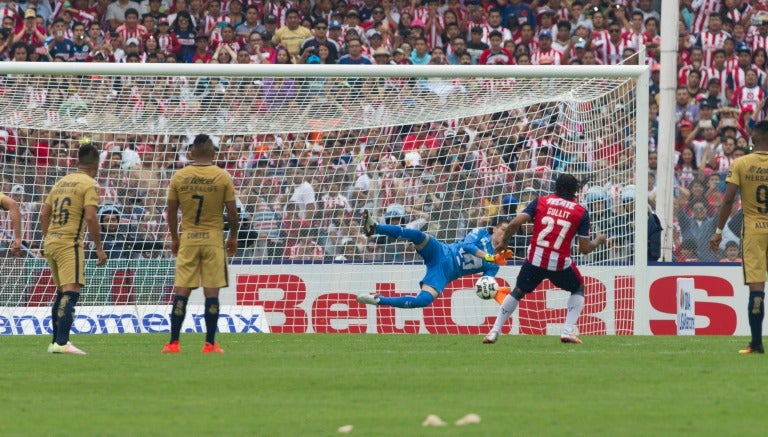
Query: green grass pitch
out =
(310, 385)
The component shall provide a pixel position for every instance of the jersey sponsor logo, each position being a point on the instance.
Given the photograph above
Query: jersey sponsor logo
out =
(199, 181)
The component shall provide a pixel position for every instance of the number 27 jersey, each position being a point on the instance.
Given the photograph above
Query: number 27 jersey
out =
(556, 221)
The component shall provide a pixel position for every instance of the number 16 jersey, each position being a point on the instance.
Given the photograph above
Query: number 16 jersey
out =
(556, 221)
(201, 191)
(67, 200)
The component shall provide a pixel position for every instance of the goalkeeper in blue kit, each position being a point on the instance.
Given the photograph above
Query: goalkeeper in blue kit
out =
(445, 262)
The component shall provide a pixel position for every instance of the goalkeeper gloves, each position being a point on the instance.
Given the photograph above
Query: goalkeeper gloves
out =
(499, 258)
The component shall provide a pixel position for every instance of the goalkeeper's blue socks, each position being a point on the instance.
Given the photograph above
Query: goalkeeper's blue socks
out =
(211, 318)
(178, 312)
(55, 315)
(421, 300)
(756, 313)
(412, 235)
(65, 316)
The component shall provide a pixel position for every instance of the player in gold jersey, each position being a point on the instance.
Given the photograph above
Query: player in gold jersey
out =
(749, 176)
(12, 207)
(202, 191)
(69, 208)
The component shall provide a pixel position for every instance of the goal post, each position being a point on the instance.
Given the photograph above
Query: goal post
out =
(443, 149)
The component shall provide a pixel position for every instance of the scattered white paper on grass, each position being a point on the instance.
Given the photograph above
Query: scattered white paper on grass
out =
(433, 420)
(468, 419)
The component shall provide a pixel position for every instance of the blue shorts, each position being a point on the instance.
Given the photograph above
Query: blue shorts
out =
(531, 276)
(440, 265)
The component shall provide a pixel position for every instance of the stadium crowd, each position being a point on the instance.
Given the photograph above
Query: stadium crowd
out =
(303, 203)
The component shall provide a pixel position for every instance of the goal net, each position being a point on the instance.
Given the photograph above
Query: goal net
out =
(442, 150)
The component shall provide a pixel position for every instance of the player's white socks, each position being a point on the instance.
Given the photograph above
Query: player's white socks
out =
(575, 305)
(507, 308)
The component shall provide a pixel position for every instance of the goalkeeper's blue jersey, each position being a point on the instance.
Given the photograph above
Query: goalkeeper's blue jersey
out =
(446, 262)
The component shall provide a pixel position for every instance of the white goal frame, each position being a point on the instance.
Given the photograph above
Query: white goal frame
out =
(639, 74)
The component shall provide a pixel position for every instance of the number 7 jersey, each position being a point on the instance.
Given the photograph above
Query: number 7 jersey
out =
(201, 191)
(556, 221)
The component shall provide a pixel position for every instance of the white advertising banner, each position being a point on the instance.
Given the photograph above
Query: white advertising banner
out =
(131, 319)
(320, 298)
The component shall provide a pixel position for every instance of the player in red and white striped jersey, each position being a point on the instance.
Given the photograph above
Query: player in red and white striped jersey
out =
(557, 219)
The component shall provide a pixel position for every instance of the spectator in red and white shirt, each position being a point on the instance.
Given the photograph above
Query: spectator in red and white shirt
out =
(712, 39)
(635, 36)
(131, 27)
(717, 70)
(420, 139)
(750, 94)
(476, 17)
(304, 247)
(78, 10)
(759, 38)
(29, 32)
(695, 63)
(115, 15)
(546, 22)
(434, 25)
(731, 58)
(494, 24)
(546, 51)
(495, 54)
(166, 41)
(609, 52)
(213, 17)
(226, 36)
(526, 37)
(737, 76)
(704, 9)
(721, 162)
(496, 172)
